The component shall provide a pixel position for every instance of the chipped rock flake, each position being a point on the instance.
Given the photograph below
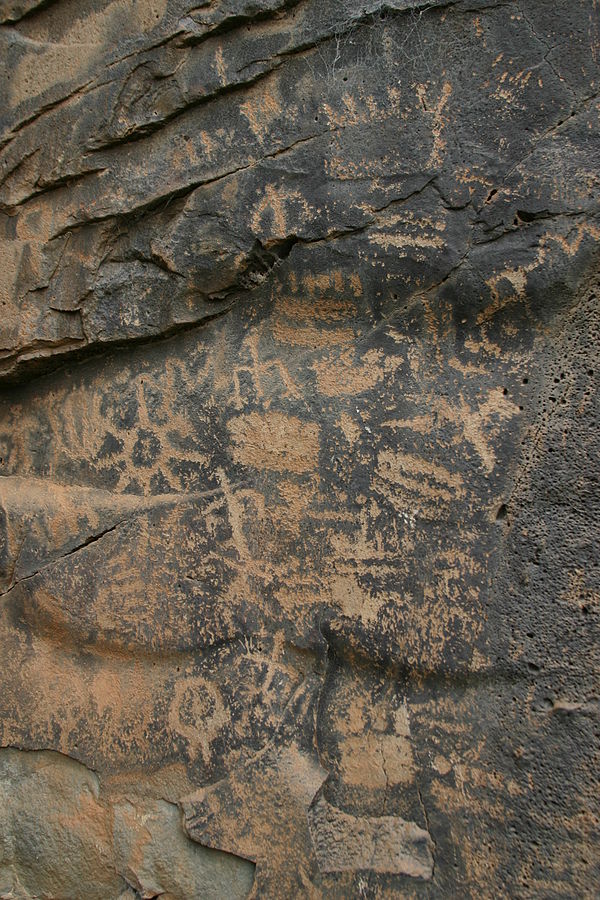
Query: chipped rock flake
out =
(381, 844)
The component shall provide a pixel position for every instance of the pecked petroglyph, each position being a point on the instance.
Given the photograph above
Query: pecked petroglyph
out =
(298, 404)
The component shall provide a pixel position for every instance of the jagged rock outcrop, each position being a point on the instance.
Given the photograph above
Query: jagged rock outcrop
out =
(299, 501)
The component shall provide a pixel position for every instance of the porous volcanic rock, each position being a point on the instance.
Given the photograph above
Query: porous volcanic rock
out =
(299, 449)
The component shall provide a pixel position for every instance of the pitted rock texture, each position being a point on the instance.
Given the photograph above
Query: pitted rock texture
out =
(299, 449)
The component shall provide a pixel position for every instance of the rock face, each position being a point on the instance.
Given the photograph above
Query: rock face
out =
(299, 496)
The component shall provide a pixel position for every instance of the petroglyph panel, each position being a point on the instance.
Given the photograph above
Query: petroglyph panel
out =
(299, 354)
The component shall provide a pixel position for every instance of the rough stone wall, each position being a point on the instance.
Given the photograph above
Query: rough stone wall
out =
(299, 438)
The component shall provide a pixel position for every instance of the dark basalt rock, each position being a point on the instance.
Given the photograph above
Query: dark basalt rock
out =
(299, 503)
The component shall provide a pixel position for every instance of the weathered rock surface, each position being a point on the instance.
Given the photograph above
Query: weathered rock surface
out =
(299, 448)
